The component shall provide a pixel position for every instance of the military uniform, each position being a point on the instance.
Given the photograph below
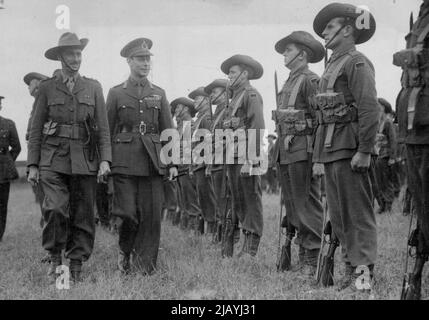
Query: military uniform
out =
(271, 174)
(138, 112)
(295, 121)
(348, 124)
(190, 210)
(205, 190)
(413, 120)
(59, 146)
(9, 151)
(246, 112)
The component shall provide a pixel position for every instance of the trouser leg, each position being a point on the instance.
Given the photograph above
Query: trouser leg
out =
(206, 195)
(349, 198)
(102, 202)
(4, 199)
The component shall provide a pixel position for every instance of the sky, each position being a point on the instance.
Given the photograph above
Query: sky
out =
(191, 38)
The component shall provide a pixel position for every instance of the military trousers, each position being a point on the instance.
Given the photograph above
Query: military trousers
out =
(68, 212)
(386, 190)
(301, 193)
(188, 196)
(272, 180)
(206, 195)
(246, 195)
(4, 199)
(418, 179)
(170, 192)
(103, 203)
(349, 196)
(138, 202)
(219, 179)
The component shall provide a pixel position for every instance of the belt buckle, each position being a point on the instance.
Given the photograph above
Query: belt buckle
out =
(142, 128)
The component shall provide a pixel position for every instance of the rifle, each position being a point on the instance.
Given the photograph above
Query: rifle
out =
(285, 258)
(92, 141)
(326, 274)
(322, 242)
(229, 221)
(412, 282)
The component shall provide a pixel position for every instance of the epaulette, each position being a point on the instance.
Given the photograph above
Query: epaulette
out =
(90, 79)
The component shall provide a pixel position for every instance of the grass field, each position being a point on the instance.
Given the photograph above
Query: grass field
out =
(189, 267)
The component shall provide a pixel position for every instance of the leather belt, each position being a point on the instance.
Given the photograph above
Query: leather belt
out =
(71, 131)
(142, 128)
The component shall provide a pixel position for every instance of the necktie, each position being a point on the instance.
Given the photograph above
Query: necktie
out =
(70, 84)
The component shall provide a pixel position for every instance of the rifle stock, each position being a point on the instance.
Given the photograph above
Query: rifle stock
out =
(325, 277)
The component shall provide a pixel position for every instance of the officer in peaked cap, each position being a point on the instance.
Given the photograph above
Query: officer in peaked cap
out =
(206, 194)
(67, 152)
(138, 111)
(345, 137)
(245, 111)
(10, 148)
(296, 122)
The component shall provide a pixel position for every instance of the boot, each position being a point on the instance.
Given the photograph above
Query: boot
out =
(236, 234)
(310, 262)
(349, 286)
(345, 281)
(55, 262)
(176, 217)
(184, 221)
(124, 262)
(301, 260)
(75, 270)
(211, 227)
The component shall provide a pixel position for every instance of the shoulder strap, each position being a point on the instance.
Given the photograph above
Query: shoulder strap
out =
(336, 72)
(295, 91)
(219, 116)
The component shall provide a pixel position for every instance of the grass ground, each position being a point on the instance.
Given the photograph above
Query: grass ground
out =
(189, 268)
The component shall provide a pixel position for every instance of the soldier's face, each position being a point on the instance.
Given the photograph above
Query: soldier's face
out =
(33, 87)
(218, 95)
(73, 58)
(178, 110)
(332, 39)
(200, 103)
(140, 65)
(234, 76)
(290, 55)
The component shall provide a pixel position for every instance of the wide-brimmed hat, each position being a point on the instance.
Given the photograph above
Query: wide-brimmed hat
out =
(218, 83)
(386, 104)
(1, 98)
(198, 92)
(315, 50)
(34, 75)
(184, 101)
(67, 40)
(344, 10)
(137, 47)
(248, 61)
(272, 136)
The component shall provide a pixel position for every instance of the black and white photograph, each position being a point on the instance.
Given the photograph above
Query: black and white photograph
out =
(226, 151)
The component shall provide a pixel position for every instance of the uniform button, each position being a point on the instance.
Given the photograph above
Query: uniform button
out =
(141, 111)
(141, 101)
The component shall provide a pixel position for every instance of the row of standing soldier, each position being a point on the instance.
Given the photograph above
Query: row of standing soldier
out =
(326, 126)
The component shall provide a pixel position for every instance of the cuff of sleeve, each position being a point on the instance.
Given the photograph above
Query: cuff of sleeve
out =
(366, 148)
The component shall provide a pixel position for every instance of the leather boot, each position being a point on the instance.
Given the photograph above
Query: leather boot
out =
(75, 270)
(346, 280)
(301, 260)
(236, 234)
(55, 261)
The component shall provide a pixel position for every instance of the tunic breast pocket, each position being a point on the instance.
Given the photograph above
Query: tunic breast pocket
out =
(127, 113)
(57, 109)
(153, 104)
(86, 107)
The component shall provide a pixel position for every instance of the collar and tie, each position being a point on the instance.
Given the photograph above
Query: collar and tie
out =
(69, 81)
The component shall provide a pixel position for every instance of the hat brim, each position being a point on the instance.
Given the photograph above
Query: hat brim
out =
(52, 53)
(338, 10)
(184, 102)
(272, 136)
(257, 68)
(33, 75)
(198, 92)
(315, 48)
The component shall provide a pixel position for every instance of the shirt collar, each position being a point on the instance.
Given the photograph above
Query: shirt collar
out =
(66, 78)
(243, 86)
(342, 52)
(298, 71)
(138, 82)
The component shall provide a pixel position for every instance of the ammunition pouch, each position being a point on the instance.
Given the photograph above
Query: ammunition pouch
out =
(334, 109)
(415, 65)
(232, 123)
(292, 122)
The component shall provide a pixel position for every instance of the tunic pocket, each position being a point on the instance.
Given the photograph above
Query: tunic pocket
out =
(121, 149)
(48, 149)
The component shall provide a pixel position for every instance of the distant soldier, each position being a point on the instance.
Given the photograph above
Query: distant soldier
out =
(245, 112)
(219, 97)
(386, 148)
(296, 123)
(413, 120)
(138, 112)
(32, 80)
(346, 134)
(69, 146)
(190, 210)
(10, 148)
(206, 194)
(272, 176)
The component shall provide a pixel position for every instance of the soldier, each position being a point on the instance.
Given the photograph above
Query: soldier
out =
(272, 168)
(345, 137)
(295, 121)
(218, 95)
(204, 183)
(9, 151)
(245, 112)
(413, 119)
(386, 147)
(190, 210)
(65, 151)
(138, 111)
(32, 80)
